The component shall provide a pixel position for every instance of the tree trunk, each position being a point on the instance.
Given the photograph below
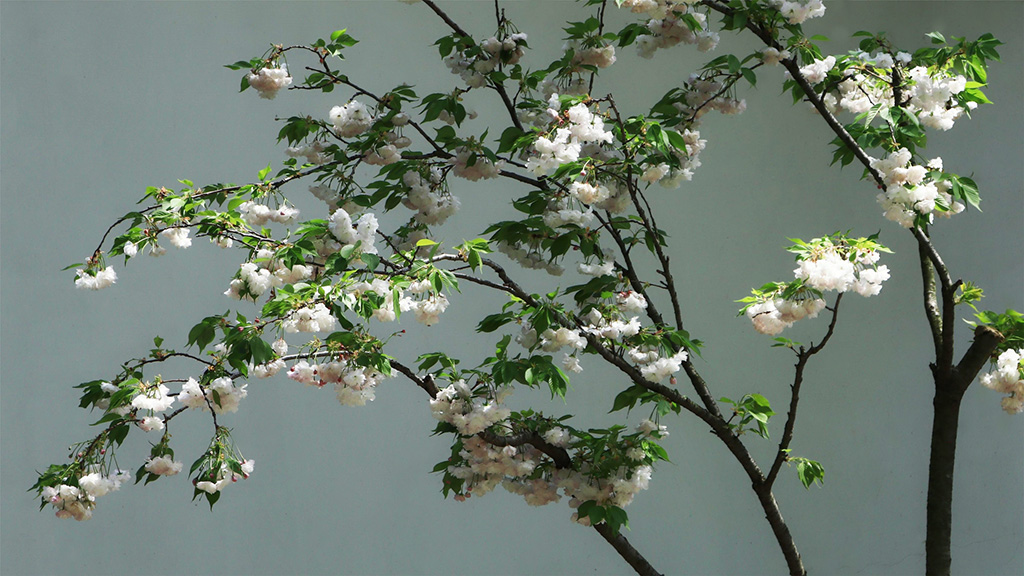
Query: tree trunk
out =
(940, 479)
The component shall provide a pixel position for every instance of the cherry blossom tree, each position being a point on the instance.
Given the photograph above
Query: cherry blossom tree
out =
(577, 269)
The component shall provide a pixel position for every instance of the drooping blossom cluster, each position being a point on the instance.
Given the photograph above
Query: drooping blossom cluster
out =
(312, 152)
(817, 71)
(315, 318)
(474, 166)
(432, 208)
(427, 306)
(774, 314)
(473, 69)
(227, 398)
(152, 398)
(797, 11)
(932, 97)
(163, 466)
(255, 278)
(95, 279)
(359, 232)
(268, 81)
(601, 56)
(575, 128)
(223, 477)
(908, 192)
(653, 365)
(831, 263)
(351, 119)
(470, 414)
(78, 501)
(353, 384)
(689, 160)
(259, 214)
(673, 29)
(1008, 378)
(178, 237)
(773, 56)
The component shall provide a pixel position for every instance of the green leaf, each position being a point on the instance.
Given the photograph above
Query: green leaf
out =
(263, 173)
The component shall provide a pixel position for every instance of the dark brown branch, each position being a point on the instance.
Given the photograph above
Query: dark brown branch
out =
(986, 340)
(633, 557)
(426, 383)
(802, 357)
(812, 97)
(930, 298)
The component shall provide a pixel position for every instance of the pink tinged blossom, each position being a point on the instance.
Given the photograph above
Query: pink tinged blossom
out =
(163, 466)
(268, 81)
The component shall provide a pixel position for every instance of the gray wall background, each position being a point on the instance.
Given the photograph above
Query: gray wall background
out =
(101, 99)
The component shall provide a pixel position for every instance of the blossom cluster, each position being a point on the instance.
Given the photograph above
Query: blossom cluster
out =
(1008, 378)
(831, 263)
(474, 166)
(689, 160)
(253, 279)
(259, 214)
(672, 30)
(431, 207)
(351, 119)
(576, 127)
(457, 406)
(359, 232)
(484, 466)
(223, 476)
(473, 66)
(268, 81)
(312, 152)
(221, 393)
(908, 193)
(354, 385)
(797, 11)
(95, 279)
(78, 501)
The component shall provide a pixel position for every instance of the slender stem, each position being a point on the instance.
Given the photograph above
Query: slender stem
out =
(802, 357)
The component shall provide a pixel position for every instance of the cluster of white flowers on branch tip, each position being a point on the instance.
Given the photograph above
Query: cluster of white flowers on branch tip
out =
(431, 207)
(702, 94)
(226, 399)
(470, 415)
(474, 67)
(577, 127)
(259, 214)
(224, 476)
(1008, 378)
(354, 385)
(829, 267)
(797, 11)
(177, 236)
(932, 97)
(95, 279)
(359, 232)
(655, 367)
(601, 56)
(315, 318)
(831, 263)
(908, 194)
(774, 315)
(267, 81)
(313, 152)
(382, 156)
(153, 397)
(351, 119)
(669, 31)
(530, 256)
(428, 307)
(78, 501)
(817, 71)
(474, 166)
(163, 466)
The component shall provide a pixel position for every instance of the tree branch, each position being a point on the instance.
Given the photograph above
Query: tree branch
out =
(802, 357)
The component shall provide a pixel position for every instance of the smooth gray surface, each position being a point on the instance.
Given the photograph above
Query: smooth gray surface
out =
(100, 100)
